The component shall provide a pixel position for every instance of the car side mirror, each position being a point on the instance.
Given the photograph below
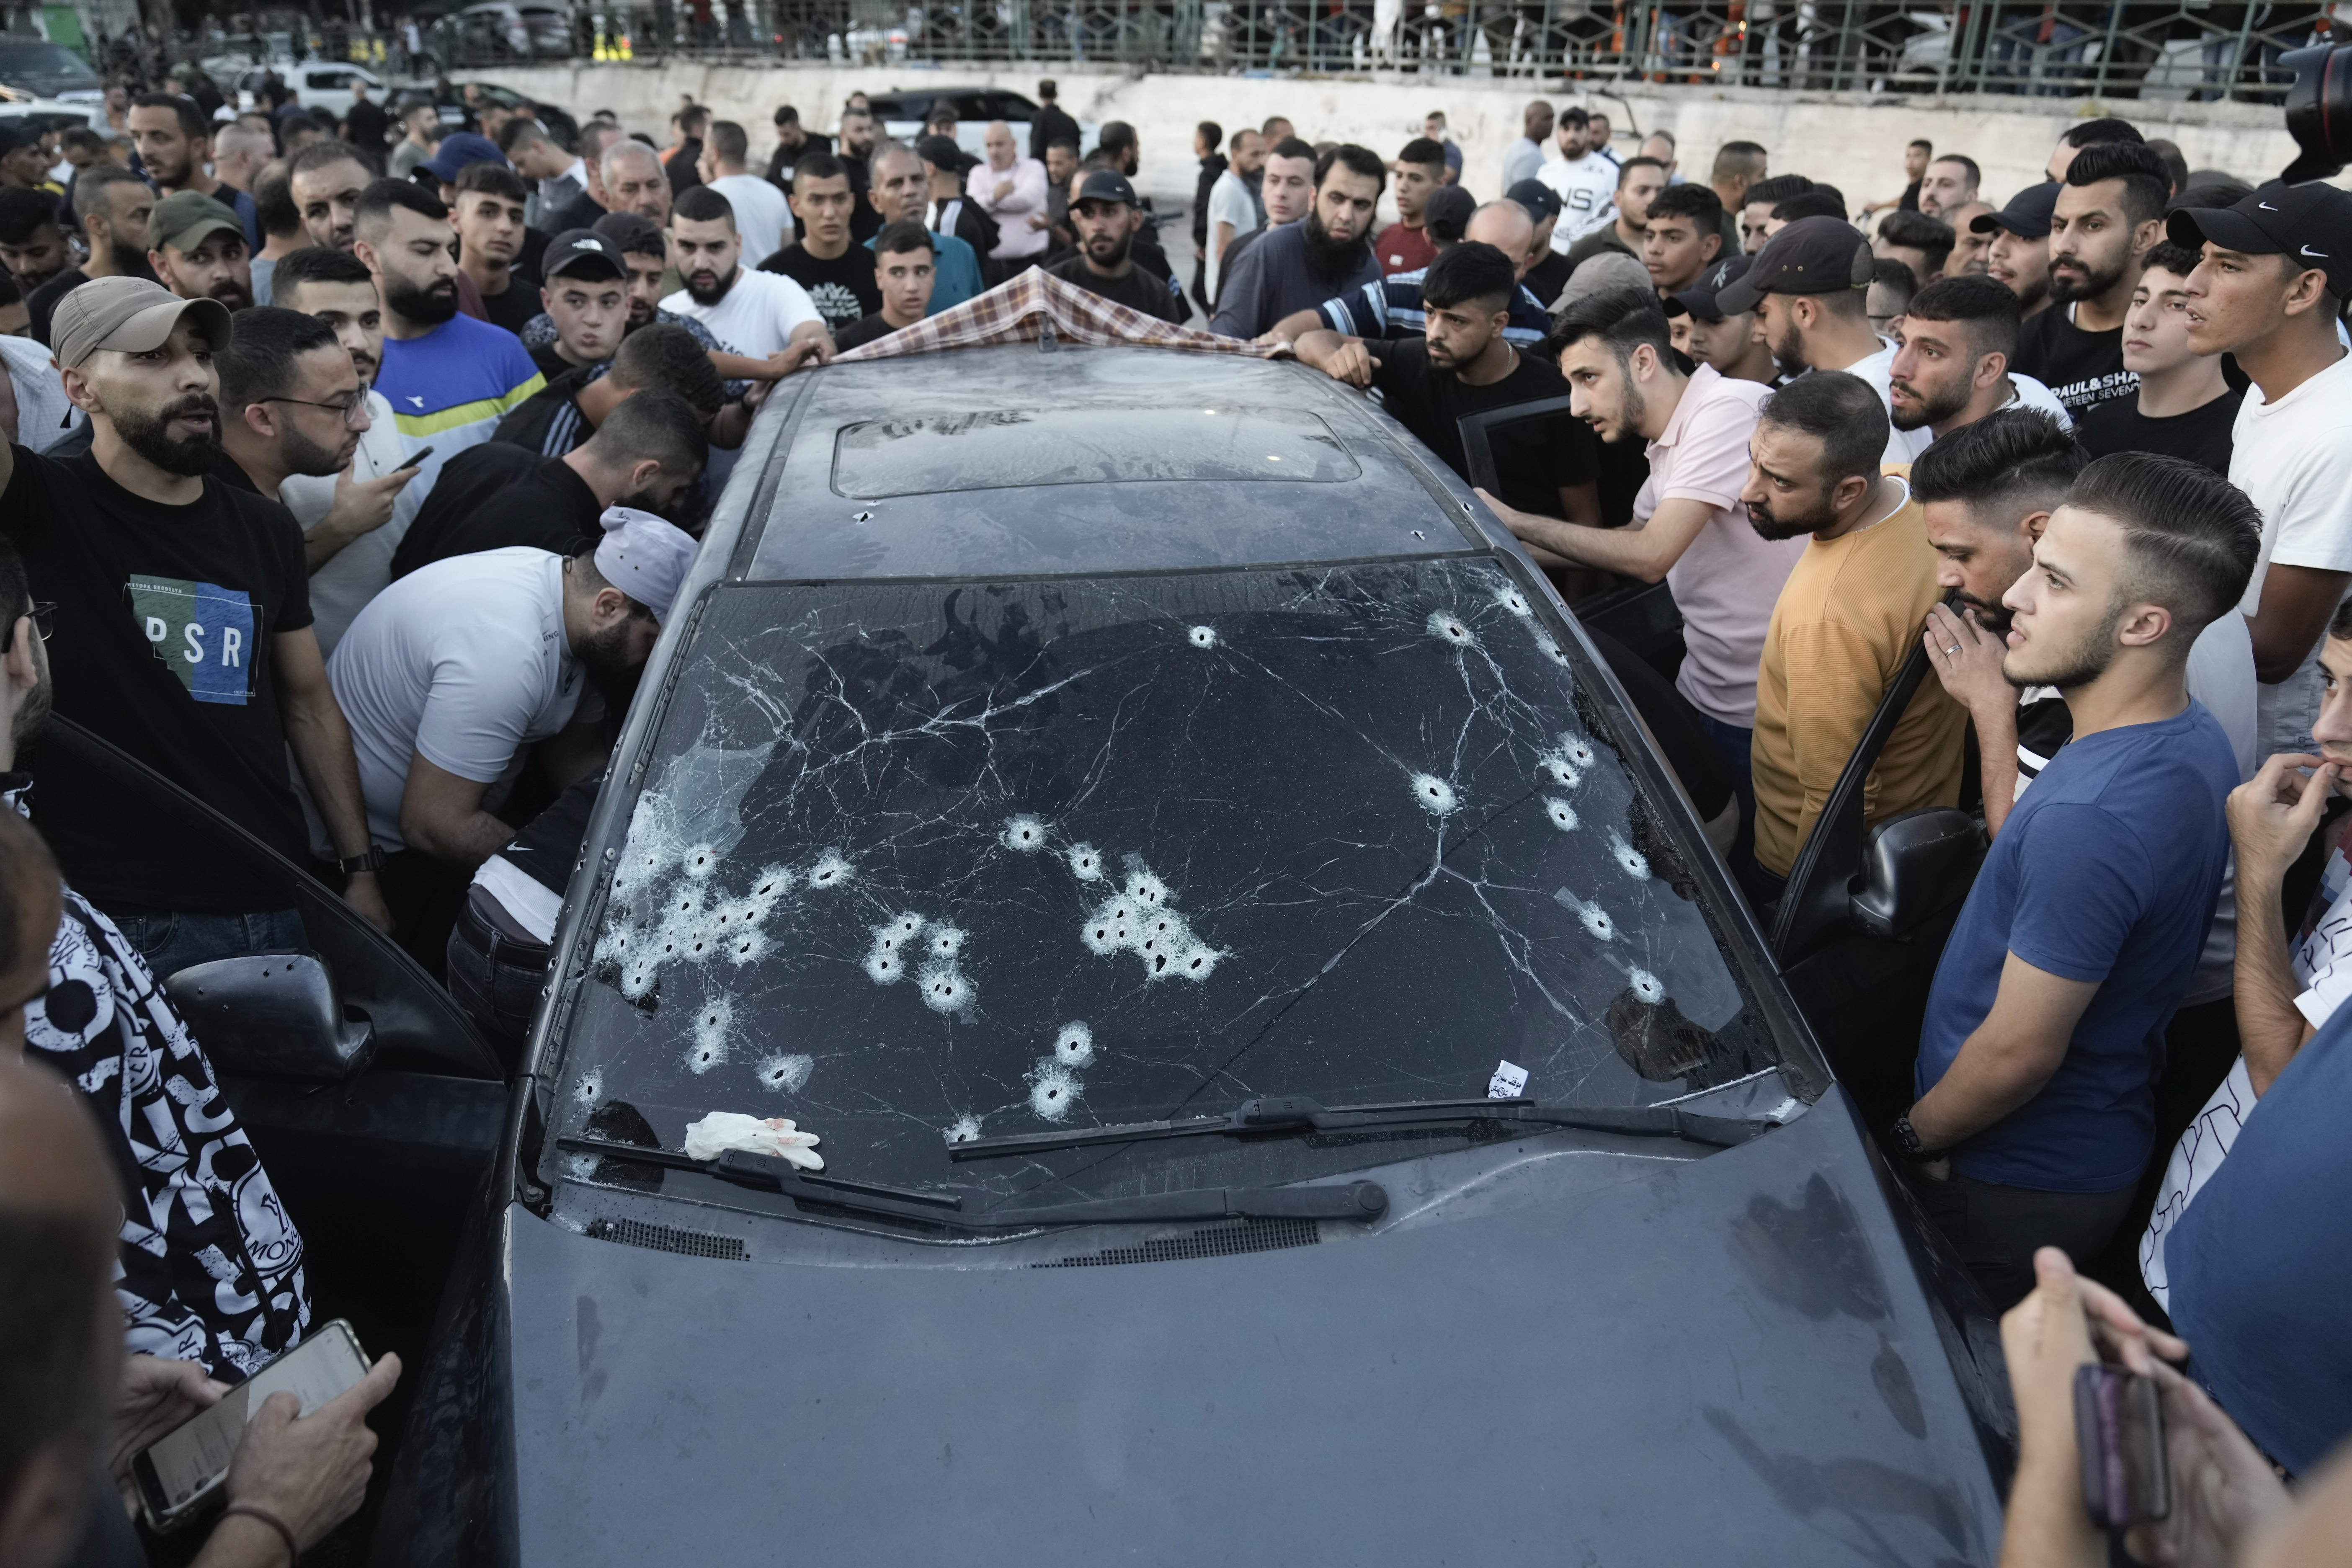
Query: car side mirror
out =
(1912, 867)
(276, 1015)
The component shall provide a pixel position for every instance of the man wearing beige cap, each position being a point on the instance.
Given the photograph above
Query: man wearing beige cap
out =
(183, 635)
(197, 249)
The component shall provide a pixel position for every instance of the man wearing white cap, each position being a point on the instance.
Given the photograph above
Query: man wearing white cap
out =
(452, 671)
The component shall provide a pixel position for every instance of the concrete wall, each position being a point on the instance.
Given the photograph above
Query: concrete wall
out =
(1854, 143)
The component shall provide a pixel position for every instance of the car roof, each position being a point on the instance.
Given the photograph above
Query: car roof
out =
(1066, 462)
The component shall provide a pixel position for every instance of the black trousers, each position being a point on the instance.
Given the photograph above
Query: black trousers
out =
(1995, 1229)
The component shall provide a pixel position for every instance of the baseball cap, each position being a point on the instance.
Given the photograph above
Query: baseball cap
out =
(2027, 215)
(1108, 185)
(644, 556)
(457, 153)
(129, 315)
(1447, 214)
(584, 251)
(628, 230)
(1605, 274)
(182, 219)
(1540, 200)
(2312, 222)
(1702, 299)
(940, 153)
(1811, 255)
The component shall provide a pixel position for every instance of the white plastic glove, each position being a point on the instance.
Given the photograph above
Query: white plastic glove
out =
(724, 1130)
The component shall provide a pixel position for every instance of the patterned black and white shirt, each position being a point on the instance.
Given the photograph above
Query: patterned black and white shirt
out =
(210, 1266)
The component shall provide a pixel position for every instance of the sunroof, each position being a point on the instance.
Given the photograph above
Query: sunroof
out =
(1016, 447)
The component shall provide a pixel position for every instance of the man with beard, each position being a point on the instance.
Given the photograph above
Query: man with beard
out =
(449, 378)
(2017, 251)
(175, 144)
(32, 247)
(346, 516)
(857, 153)
(1844, 622)
(1104, 214)
(1299, 265)
(1285, 191)
(457, 667)
(1953, 367)
(1808, 288)
(1585, 181)
(111, 203)
(838, 276)
(196, 247)
(1689, 528)
(761, 316)
(902, 192)
(2108, 216)
(2036, 1111)
(326, 179)
(184, 637)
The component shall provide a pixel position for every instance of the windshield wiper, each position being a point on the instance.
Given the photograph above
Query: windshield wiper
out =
(1297, 1113)
(1349, 1200)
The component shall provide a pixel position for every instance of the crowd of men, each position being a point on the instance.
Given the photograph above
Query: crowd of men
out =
(353, 470)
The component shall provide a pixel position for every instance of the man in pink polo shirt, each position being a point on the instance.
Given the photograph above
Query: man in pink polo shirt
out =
(1689, 526)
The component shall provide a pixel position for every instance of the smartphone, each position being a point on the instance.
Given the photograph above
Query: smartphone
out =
(2119, 1427)
(180, 1474)
(416, 460)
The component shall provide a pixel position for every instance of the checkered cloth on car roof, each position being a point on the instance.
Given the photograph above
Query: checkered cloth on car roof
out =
(1018, 311)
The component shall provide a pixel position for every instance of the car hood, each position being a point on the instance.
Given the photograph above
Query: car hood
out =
(1657, 1362)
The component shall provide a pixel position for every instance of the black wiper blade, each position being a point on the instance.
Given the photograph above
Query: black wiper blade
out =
(1348, 1200)
(1297, 1113)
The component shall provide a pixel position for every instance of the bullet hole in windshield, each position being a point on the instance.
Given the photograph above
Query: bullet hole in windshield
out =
(1085, 864)
(1204, 637)
(1024, 832)
(1136, 922)
(713, 1024)
(1627, 856)
(1451, 628)
(1561, 815)
(1054, 1090)
(944, 942)
(1511, 599)
(1075, 1045)
(701, 860)
(785, 1073)
(830, 871)
(1559, 765)
(592, 1086)
(945, 990)
(1434, 796)
(1596, 919)
(965, 1130)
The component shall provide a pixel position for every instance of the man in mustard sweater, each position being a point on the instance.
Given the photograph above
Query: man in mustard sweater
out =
(1847, 617)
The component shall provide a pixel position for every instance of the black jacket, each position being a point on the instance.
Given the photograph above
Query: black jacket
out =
(1049, 123)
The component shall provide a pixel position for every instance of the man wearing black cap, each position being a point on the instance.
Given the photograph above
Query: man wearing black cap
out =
(1104, 214)
(1724, 339)
(2275, 273)
(2108, 214)
(1548, 275)
(587, 299)
(1808, 288)
(950, 212)
(1050, 121)
(2018, 258)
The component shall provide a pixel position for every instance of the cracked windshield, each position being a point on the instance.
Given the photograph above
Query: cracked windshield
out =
(920, 865)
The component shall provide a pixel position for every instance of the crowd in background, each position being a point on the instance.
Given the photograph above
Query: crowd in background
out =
(355, 467)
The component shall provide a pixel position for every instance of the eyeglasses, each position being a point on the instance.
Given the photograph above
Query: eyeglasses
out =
(44, 614)
(352, 408)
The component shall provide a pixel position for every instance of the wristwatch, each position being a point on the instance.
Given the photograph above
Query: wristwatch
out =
(370, 861)
(1906, 1139)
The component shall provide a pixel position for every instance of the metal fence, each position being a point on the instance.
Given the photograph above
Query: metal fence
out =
(2185, 51)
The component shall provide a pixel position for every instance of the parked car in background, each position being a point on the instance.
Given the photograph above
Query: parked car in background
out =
(903, 113)
(316, 84)
(14, 110)
(501, 29)
(49, 70)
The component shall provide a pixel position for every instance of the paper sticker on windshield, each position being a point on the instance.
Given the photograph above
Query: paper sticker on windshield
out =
(1509, 1082)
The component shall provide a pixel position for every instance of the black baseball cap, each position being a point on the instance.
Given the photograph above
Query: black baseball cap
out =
(942, 152)
(1540, 200)
(2311, 222)
(1447, 214)
(1704, 298)
(1108, 185)
(583, 251)
(2027, 215)
(1810, 256)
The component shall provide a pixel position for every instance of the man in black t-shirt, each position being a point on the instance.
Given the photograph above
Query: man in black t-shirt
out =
(1105, 215)
(183, 637)
(564, 413)
(837, 272)
(2184, 407)
(904, 263)
(1464, 366)
(792, 144)
(2108, 216)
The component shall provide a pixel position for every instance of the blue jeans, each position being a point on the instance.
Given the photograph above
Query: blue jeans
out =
(173, 939)
(495, 979)
(1733, 747)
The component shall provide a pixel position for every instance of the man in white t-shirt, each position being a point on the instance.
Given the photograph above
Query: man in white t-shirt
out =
(1810, 289)
(1585, 181)
(761, 214)
(760, 315)
(2273, 272)
(1689, 527)
(1233, 200)
(450, 672)
(1952, 369)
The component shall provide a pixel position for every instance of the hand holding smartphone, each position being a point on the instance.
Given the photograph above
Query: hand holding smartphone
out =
(2119, 1430)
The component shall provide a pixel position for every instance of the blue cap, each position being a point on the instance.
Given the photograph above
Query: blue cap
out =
(459, 152)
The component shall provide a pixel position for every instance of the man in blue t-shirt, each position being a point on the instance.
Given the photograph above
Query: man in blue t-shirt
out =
(2045, 1027)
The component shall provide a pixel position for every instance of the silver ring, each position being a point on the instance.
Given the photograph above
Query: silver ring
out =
(1954, 650)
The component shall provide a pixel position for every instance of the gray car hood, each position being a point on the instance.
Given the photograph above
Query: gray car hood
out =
(1660, 1361)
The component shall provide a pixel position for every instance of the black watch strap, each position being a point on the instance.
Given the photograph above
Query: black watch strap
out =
(1905, 1139)
(370, 861)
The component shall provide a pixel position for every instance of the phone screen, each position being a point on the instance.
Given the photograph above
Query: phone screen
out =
(182, 1464)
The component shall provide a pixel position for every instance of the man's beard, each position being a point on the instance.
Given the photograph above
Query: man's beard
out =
(1787, 352)
(1329, 257)
(644, 501)
(1994, 617)
(149, 435)
(303, 456)
(2065, 290)
(429, 307)
(1769, 526)
(130, 261)
(2070, 668)
(604, 656)
(2031, 294)
(1930, 410)
(712, 293)
(34, 715)
(233, 294)
(1118, 250)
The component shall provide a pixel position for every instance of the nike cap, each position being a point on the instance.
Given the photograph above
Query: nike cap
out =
(1810, 256)
(2311, 222)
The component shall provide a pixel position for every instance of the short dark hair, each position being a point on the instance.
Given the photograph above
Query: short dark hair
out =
(904, 234)
(1885, 272)
(1843, 411)
(1117, 134)
(729, 140)
(273, 198)
(522, 128)
(1691, 200)
(692, 118)
(665, 355)
(193, 123)
(1814, 202)
(1046, 90)
(487, 178)
(320, 154)
(1470, 272)
(1988, 308)
(787, 115)
(2102, 132)
(1624, 319)
(1931, 237)
(2175, 161)
(82, 139)
(258, 363)
(1640, 161)
(702, 205)
(315, 264)
(381, 196)
(1574, 114)
(2177, 259)
(1921, 142)
(1292, 147)
(635, 233)
(23, 211)
(1422, 150)
(820, 166)
(654, 423)
(2147, 187)
(2003, 468)
(1778, 189)
(2192, 535)
(1738, 158)
(1212, 134)
(1355, 160)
